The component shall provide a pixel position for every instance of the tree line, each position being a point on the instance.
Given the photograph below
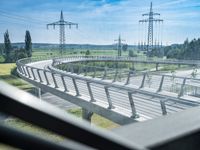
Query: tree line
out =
(12, 54)
(189, 50)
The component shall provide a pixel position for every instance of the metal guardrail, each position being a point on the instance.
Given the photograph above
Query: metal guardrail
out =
(30, 109)
(50, 78)
(124, 59)
(182, 135)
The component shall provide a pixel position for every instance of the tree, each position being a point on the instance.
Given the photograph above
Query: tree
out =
(131, 53)
(125, 47)
(87, 53)
(28, 44)
(8, 47)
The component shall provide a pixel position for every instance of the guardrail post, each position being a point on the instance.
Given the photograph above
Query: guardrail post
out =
(45, 75)
(34, 78)
(157, 66)
(76, 87)
(161, 84)
(90, 92)
(38, 72)
(54, 80)
(115, 77)
(134, 113)
(72, 68)
(64, 84)
(39, 93)
(182, 88)
(108, 98)
(24, 70)
(28, 72)
(94, 74)
(128, 78)
(163, 107)
(86, 70)
(105, 73)
(80, 69)
(143, 80)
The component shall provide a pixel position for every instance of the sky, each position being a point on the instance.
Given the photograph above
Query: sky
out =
(100, 21)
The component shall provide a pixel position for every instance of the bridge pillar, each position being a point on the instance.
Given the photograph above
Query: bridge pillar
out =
(86, 115)
(38, 92)
(133, 66)
(157, 65)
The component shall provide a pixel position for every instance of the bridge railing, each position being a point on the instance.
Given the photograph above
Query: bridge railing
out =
(70, 83)
(125, 58)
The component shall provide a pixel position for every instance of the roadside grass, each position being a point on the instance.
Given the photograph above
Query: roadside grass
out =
(5, 75)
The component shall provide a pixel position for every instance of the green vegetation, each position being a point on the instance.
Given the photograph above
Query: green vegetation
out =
(28, 44)
(5, 75)
(188, 50)
(13, 53)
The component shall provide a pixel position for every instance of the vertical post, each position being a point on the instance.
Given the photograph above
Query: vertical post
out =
(24, 70)
(182, 88)
(105, 73)
(143, 80)
(161, 83)
(28, 72)
(157, 66)
(54, 80)
(76, 87)
(133, 66)
(38, 71)
(79, 69)
(72, 68)
(39, 93)
(87, 115)
(134, 114)
(94, 75)
(64, 84)
(90, 92)
(128, 78)
(45, 75)
(115, 77)
(163, 107)
(108, 98)
(34, 78)
(21, 70)
(86, 70)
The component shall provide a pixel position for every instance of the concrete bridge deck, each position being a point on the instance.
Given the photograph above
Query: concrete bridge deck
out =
(119, 102)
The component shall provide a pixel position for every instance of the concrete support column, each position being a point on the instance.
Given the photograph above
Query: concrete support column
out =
(157, 65)
(133, 66)
(86, 115)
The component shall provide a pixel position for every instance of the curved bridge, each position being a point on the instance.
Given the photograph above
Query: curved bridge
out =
(140, 97)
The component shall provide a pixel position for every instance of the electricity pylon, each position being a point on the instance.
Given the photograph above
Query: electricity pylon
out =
(62, 23)
(119, 45)
(150, 20)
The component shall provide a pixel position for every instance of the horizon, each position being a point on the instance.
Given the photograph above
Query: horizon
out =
(100, 22)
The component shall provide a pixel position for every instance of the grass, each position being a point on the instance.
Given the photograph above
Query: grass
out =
(1, 59)
(5, 75)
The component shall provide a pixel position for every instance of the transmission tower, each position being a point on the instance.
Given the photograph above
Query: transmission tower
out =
(150, 20)
(119, 45)
(62, 23)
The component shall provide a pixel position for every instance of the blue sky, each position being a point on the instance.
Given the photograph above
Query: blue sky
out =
(100, 21)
